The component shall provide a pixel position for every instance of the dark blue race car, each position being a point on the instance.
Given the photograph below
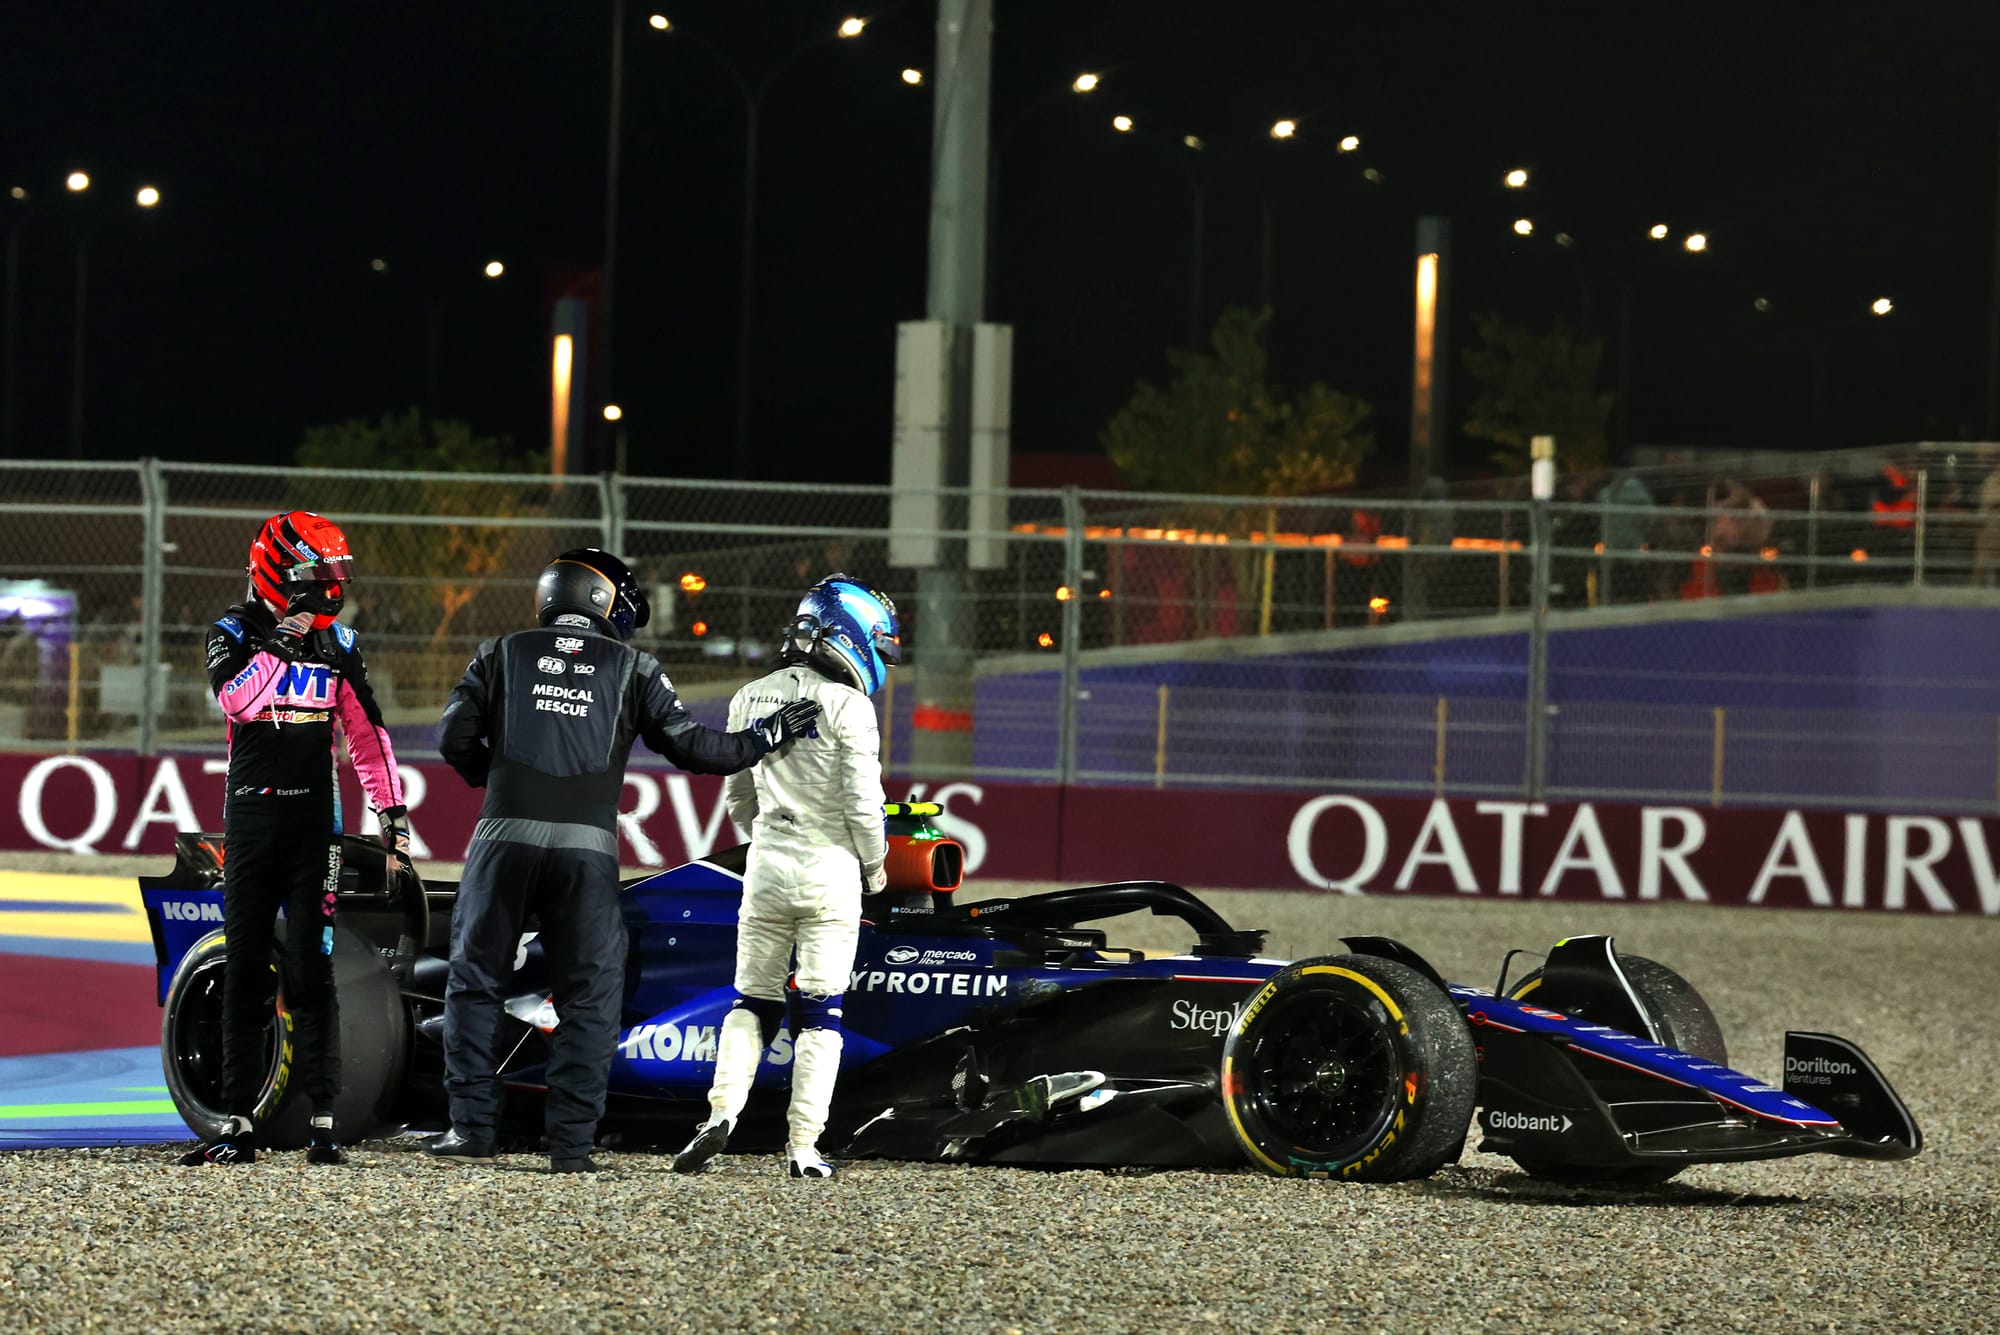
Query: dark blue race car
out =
(1011, 1031)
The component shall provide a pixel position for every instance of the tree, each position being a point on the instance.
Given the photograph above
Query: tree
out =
(410, 442)
(1538, 384)
(449, 561)
(1221, 426)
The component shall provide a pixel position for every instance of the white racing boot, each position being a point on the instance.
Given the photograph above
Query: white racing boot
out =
(815, 1066)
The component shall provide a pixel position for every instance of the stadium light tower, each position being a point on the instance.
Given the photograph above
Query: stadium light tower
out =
(752, 97)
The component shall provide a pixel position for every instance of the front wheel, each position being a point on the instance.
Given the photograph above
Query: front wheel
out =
(374, 1043)
(1350, 1066)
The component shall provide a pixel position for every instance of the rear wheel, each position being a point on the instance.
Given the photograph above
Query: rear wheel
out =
(1683, 1020)
(1350, 1066)
(374, 1041)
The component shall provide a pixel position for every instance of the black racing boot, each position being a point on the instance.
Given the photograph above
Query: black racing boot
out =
(236, 1144)
(709, 1138)
(454, 1146)
(322, 1148)
(582, 1163)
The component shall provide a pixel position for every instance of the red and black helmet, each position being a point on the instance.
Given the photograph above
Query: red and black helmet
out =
(299, 547)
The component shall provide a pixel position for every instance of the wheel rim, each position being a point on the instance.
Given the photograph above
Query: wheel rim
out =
(1324, 1076)
(197, 1045)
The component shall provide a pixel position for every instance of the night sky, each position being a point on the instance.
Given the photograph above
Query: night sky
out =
(1833, 151)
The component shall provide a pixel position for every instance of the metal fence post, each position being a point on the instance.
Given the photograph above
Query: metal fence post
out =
(1536, 780)
(1923, 505)
(1812, 532)
(611, 494)
(1603, 552)
(152, 588)
(1072, 627)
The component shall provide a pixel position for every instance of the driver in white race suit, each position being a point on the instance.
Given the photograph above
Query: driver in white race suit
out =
(814, 812)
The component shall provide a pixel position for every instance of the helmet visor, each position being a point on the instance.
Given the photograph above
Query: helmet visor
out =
(890, 647)
(329, 570)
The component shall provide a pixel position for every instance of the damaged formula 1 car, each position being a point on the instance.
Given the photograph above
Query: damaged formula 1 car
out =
(1011, 1031)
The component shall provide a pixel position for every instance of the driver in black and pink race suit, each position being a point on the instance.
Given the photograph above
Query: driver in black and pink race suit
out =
(284, 671)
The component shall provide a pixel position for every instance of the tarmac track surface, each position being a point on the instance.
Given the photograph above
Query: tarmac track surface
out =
(121, 1239)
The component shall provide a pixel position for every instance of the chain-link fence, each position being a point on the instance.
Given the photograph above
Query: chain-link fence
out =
(1710, 646)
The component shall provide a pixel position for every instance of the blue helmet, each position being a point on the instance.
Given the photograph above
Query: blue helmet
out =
(847, 631)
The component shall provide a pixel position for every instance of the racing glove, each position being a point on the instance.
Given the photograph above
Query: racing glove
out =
(874, 880)
(288, 641)
(795, 720)
(396, 834)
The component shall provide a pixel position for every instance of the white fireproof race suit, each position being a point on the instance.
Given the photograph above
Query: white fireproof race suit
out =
(814, 812)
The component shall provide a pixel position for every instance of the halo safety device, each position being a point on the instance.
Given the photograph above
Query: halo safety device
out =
(297, 549)
(591, 582)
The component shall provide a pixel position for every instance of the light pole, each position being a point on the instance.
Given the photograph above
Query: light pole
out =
(753, 106)
(434, 291)
(1197, 213)
(18, 196)
(1194, 148)
(608, 286)
(146, 197)
(1083, 85)
(1290, 131)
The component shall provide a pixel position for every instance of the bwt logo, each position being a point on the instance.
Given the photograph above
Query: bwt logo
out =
(186, 910)
(1499, 1119)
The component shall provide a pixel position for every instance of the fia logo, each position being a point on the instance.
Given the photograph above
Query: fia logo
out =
(552, 665)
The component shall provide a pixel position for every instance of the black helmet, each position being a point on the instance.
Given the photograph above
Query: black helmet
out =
(588, 582)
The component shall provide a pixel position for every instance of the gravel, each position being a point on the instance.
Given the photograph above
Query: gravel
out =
(122, 1239)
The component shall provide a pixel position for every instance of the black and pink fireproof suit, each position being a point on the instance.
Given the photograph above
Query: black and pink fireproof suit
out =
(280, 845)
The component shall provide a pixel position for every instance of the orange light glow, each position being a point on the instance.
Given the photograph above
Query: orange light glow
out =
(1859, 554)
(699, 629)
(1045, 639)
(561, 367)
(1425, 359)
(1378, 605)
(1064, 593)
(1104, 593)
(693, 583)
(1768, 553)
(1707, 550)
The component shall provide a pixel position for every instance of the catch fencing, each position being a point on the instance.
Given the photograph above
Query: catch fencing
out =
(1600, 645)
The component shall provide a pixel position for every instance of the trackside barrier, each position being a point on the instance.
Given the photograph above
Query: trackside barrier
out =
(1347, 843)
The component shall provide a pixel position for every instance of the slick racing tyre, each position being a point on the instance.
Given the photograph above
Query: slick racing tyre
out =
(374, 1042)
(1684, 1021)
(1351, 1067)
